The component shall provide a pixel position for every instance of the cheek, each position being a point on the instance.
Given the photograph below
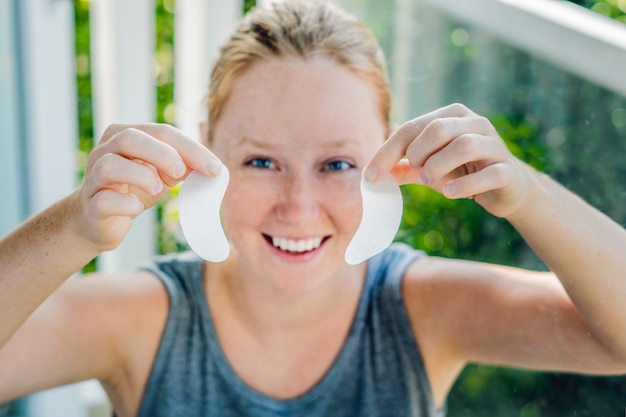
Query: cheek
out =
(344, 196)
(246, 202)
(351, 193)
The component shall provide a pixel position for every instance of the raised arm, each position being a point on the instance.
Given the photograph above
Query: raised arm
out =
(587, 252)
(459, 154)
(130, 169)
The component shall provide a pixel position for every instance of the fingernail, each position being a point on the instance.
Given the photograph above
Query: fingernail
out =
(139, 208)
(214, 166)
(158, 187)
(450, 190)
(371, 173)
(424, 178)
(180, 170)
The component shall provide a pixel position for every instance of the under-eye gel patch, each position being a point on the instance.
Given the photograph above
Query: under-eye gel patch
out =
(382, 212)
(199, 201)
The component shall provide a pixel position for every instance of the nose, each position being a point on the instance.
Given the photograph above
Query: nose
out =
(299, 200)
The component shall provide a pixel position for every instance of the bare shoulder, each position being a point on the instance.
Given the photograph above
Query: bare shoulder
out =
(129, 303)
(117, 303)
(449, 286)
(102, 326)
(449, 298)
(118, 294)
(431, 282)
(457, 308)
(134, 309)
(429, 287)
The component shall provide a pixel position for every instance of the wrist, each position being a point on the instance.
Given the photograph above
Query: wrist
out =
(535, 200)
(76, 226)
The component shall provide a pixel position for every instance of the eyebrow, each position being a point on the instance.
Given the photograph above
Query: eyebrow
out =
(247, 140)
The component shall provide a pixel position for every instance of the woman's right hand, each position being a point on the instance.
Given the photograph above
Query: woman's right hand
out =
(130, 169)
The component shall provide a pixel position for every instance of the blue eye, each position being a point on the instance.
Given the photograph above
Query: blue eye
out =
(263, 163)
(339, 165)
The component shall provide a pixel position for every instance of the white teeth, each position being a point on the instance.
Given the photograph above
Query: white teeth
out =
(296, 246)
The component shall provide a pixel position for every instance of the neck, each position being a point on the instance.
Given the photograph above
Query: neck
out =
(272, 315)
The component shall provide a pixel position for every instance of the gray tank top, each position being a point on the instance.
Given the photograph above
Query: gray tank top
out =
(378, 372)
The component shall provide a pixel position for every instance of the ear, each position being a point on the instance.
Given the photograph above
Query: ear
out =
(204, 133)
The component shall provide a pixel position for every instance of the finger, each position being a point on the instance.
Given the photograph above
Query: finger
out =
(194, 155)
(136, 144)
(440, 132)
(109, 203)
(395, 147)
(463, 150)
(490, 178)
(112, 170)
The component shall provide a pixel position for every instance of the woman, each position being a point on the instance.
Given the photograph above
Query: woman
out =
(298, 109)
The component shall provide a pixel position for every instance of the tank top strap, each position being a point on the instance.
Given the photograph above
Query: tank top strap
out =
(392, 266)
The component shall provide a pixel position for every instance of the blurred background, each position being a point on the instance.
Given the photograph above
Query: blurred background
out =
(549, 74)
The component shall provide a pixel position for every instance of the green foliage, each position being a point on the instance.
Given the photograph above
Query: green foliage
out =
(493, 391)
(83, 81)
(504, 392)
(165, 113)
(247, 5)
(82, 45)
(164, 61)
(615, 9)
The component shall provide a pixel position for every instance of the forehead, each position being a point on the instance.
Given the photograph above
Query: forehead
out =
(291, 98)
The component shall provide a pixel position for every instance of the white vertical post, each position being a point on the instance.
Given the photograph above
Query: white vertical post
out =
(122, 36)
(202, 26)
(49, 94)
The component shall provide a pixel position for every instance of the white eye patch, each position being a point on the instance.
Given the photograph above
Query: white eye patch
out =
(200, 198)
(382, 212)
(199, 202)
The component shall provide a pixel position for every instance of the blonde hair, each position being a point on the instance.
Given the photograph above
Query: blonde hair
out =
(298, 28)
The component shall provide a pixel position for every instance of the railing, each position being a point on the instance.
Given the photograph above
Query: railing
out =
(571, 37)
(38, 124)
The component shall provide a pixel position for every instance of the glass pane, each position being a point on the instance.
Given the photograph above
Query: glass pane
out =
(561, 124)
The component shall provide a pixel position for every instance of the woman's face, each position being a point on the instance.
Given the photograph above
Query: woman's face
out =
(295, 136)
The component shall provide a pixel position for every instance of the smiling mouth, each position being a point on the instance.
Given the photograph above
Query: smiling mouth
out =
(296, 246)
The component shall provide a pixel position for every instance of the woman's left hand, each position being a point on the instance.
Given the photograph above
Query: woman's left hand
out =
(459, 154)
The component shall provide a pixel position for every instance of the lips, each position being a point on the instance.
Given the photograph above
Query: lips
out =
(295, 246)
